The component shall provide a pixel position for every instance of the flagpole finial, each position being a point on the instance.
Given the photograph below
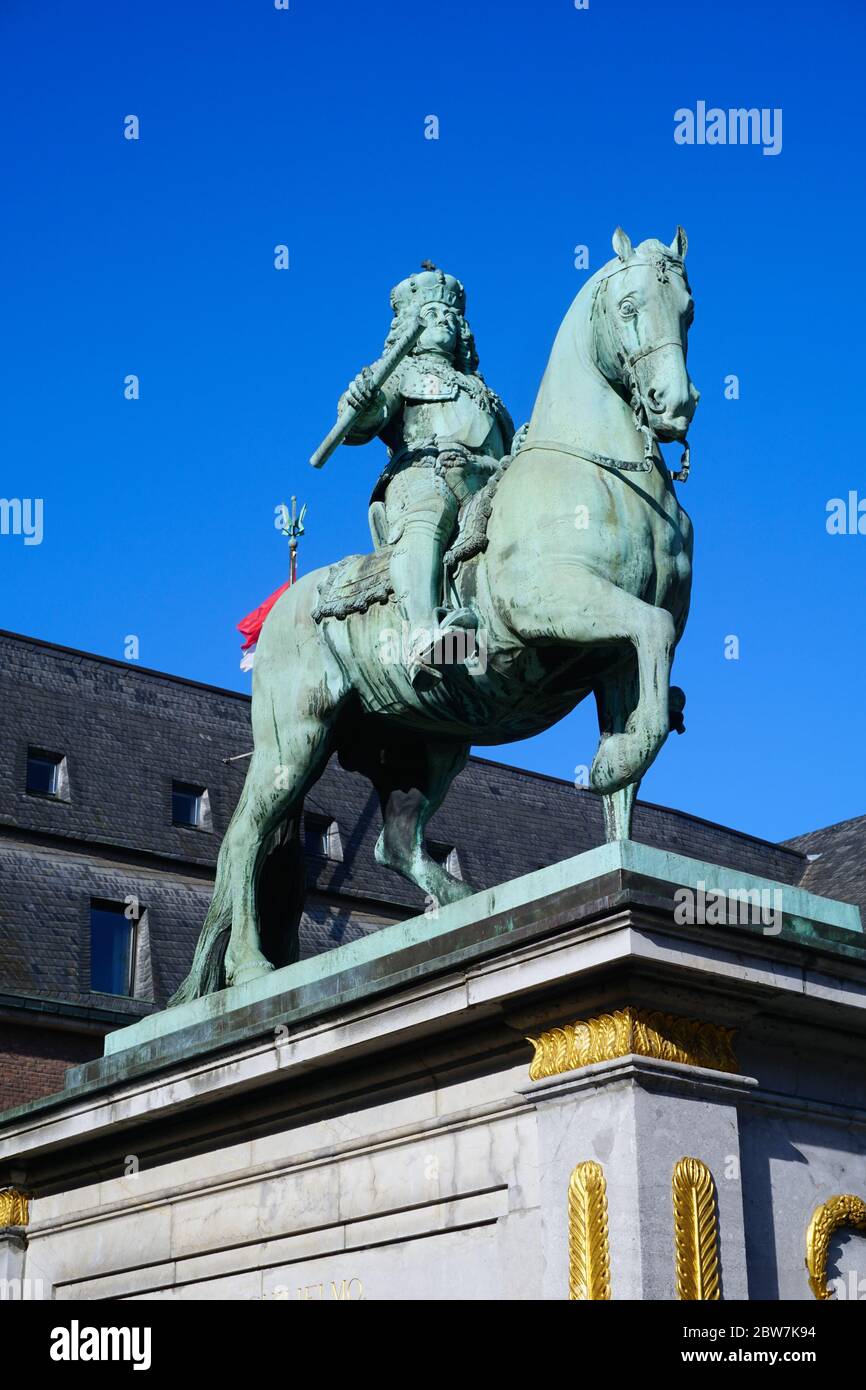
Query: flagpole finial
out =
(293, 529)
(289, 523)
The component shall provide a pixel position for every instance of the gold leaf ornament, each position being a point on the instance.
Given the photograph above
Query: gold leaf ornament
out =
(696, 1240)
(632, 1031)
(14, 1207)
(588, 1244)
(845, 1209)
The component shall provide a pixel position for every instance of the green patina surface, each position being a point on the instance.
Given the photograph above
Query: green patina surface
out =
(554, 536)
(807, 919)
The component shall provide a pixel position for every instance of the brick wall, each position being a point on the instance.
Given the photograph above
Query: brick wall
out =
(33, 1060)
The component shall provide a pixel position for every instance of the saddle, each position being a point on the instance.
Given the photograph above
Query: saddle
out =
(353, 585)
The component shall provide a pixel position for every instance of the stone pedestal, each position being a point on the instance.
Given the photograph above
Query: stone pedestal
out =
(13, 1245)
(637, 1117)
(375, 1123)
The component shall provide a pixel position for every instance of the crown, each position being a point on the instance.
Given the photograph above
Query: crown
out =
(429, 286)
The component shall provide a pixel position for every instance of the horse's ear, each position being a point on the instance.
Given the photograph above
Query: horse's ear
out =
(622, 245)
(680, 243)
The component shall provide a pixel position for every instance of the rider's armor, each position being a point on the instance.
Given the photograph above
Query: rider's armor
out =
(446, 431)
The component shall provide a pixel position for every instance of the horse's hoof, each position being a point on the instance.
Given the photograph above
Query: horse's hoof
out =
(253, 970)
(606, 772)
(456, 892)
(616, 763)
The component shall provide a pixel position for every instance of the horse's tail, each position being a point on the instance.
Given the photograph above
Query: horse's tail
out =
(207, 972)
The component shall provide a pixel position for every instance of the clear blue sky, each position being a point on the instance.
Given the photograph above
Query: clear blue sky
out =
(259, 127)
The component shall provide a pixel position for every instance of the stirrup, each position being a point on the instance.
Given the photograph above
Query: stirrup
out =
(449, 618)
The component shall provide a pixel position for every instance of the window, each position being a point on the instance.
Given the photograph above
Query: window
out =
(46, 774)
(322, 838)
(112, 941)
(447, 856)
(190, 805)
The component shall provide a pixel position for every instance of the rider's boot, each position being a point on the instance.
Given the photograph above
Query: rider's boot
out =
(416, 574)
(438, 646)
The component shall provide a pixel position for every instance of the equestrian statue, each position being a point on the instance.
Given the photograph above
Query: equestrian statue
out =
(511, 576)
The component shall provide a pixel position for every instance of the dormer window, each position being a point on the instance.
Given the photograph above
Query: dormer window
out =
(190, 805)
(322, 838)
(47, 774)
(112, 943)
(447, 856)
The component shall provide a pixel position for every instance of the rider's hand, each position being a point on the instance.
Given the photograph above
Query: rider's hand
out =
(361, 392)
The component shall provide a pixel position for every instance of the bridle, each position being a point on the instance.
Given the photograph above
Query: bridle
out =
(662, 265)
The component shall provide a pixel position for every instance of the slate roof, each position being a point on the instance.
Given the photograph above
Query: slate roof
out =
(127, 732)
(836, 861)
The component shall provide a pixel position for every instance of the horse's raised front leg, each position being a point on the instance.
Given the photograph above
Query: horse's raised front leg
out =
(624, 754)
(580, 609)
(617, 696)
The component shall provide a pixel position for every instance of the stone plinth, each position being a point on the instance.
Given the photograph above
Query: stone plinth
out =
(365, 1124)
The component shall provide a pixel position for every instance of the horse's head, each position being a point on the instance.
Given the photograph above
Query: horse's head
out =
(642, 310)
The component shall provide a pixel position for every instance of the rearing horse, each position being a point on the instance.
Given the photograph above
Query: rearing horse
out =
(583, 587)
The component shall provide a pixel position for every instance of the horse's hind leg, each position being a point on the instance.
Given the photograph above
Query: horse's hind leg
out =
(412, 780)
(283, 766)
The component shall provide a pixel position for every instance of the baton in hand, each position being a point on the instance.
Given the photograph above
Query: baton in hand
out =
(379, 375)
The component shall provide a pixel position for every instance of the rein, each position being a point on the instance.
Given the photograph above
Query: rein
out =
(644, 465)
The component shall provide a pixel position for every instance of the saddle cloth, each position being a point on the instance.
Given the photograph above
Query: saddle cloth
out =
(354, 585)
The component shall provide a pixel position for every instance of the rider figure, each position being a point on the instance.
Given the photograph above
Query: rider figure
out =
(446, 432)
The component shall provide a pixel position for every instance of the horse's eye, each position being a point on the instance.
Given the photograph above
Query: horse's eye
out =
(628, 308)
